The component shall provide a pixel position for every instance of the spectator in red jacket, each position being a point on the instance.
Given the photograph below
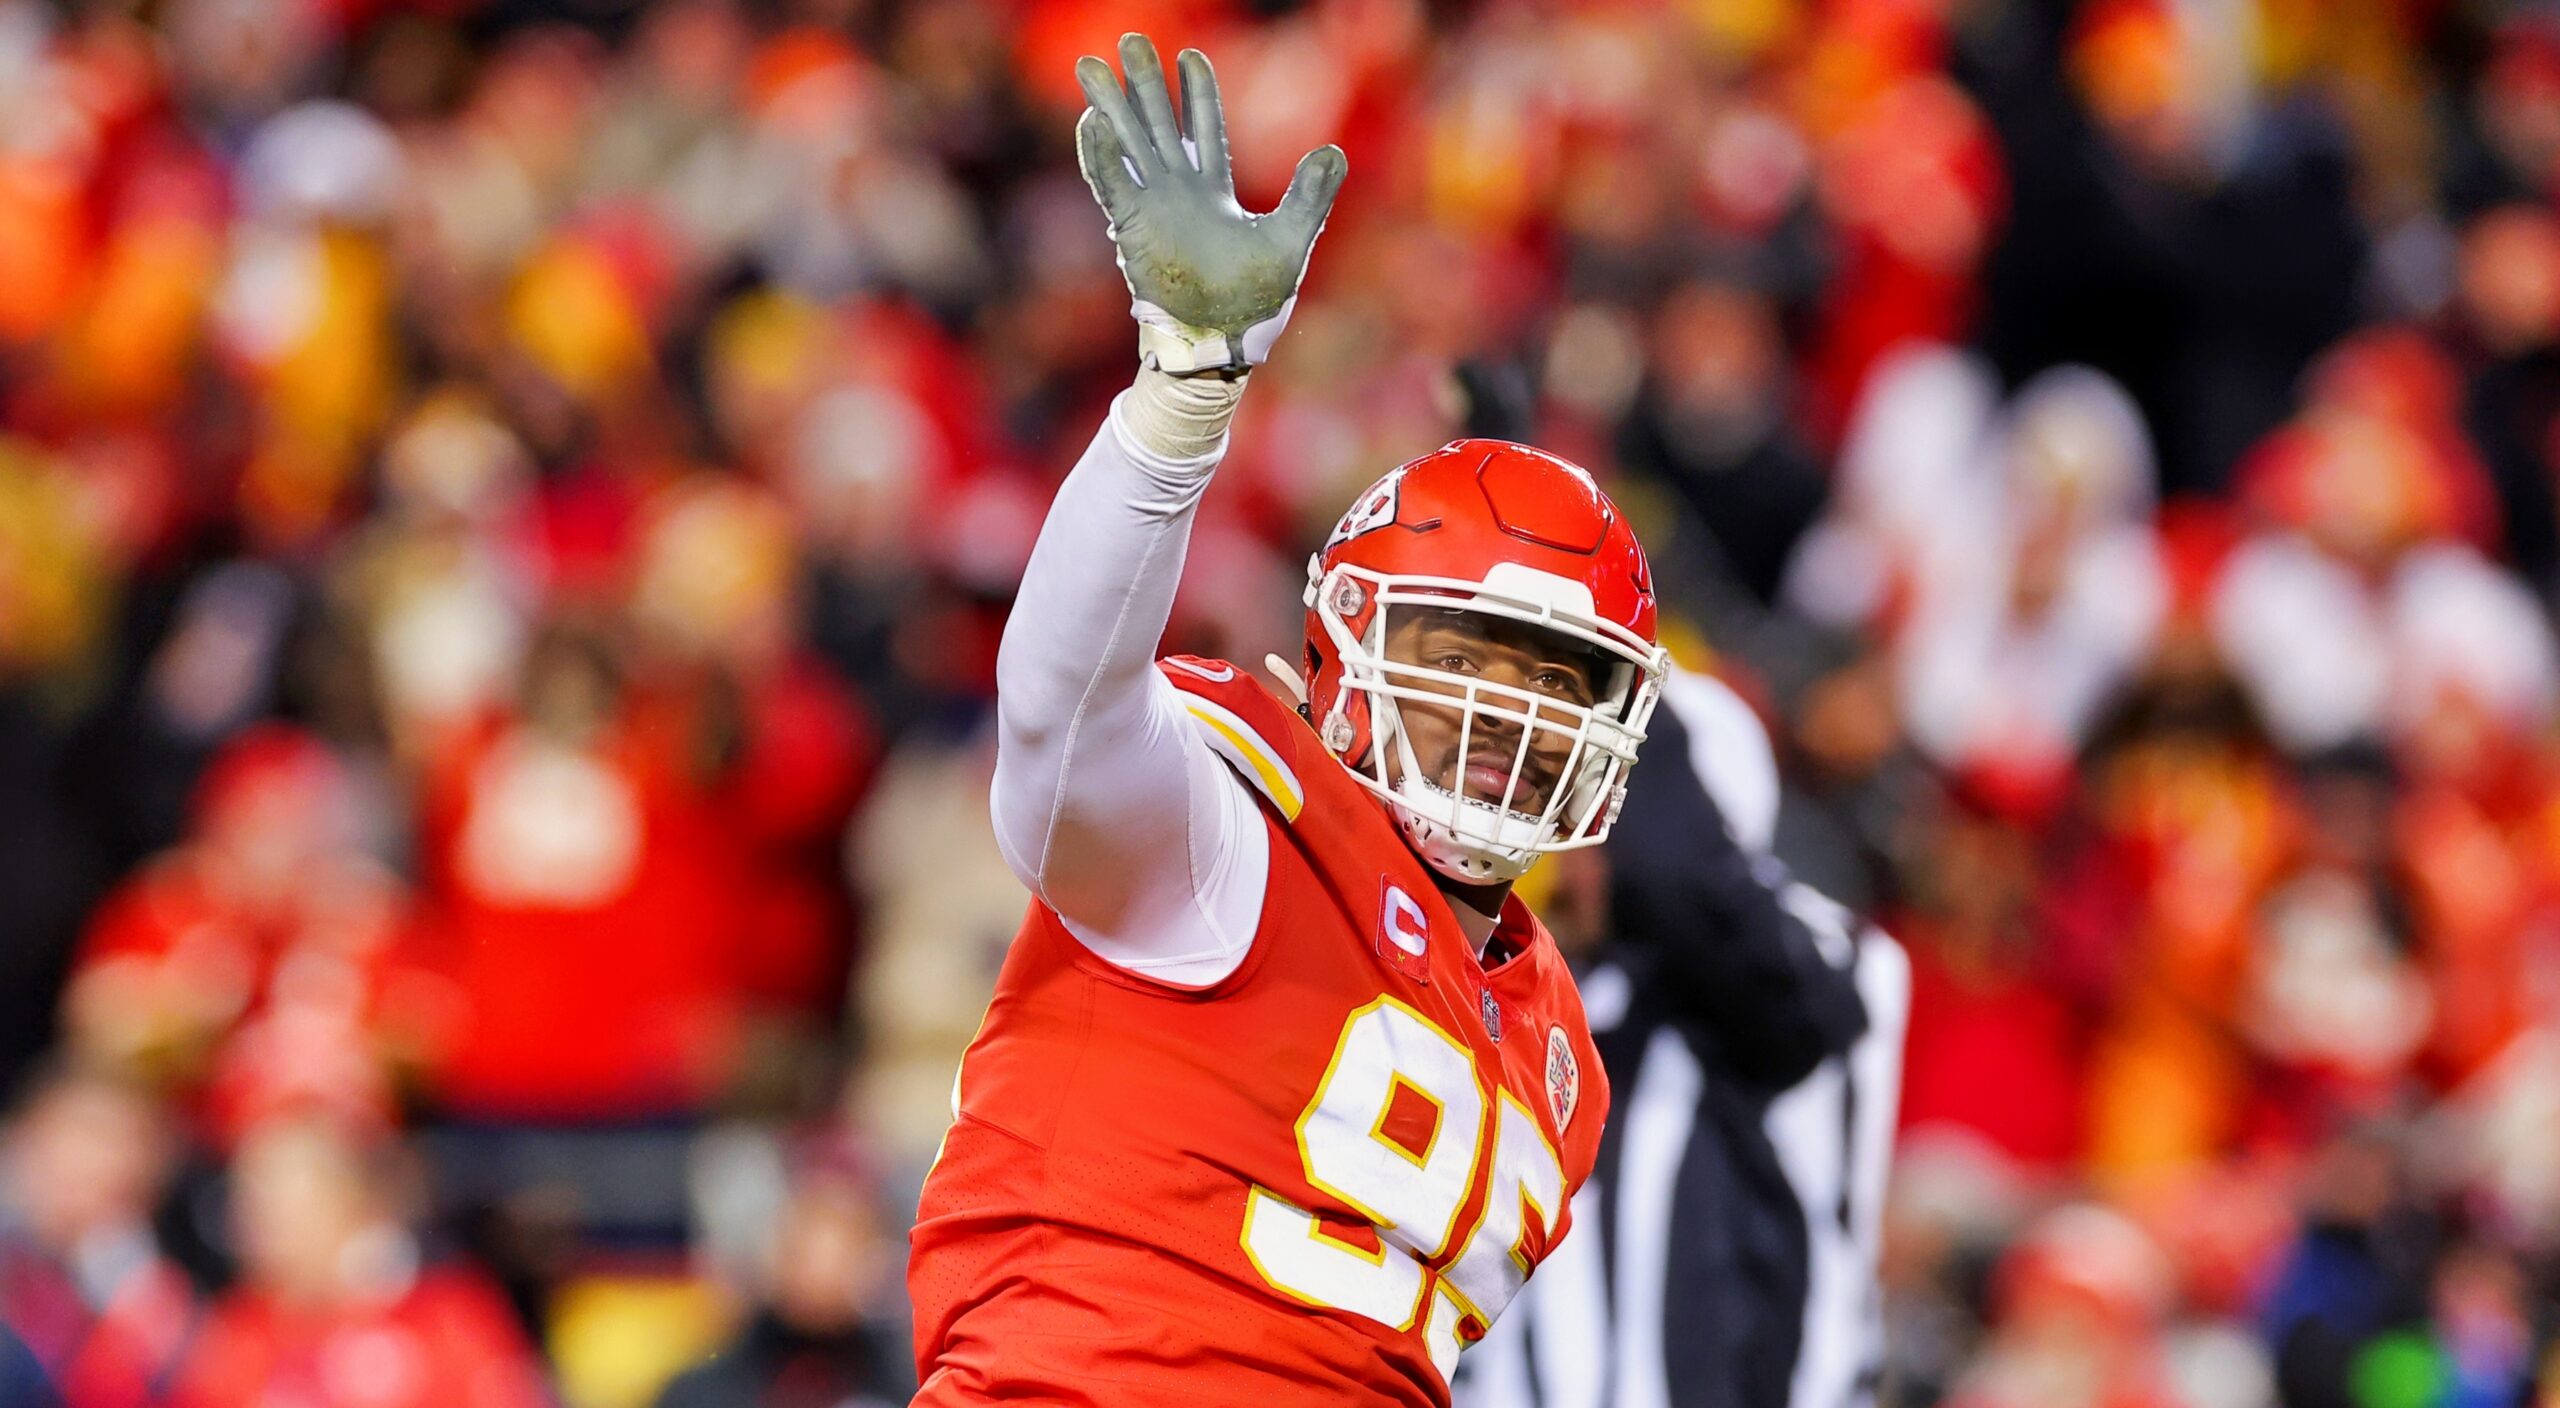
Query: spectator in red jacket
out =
(251, 965)
(1993, 1053)
(335, 1309)
(569, 845)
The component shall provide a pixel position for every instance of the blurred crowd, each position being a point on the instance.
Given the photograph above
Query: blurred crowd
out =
(506, 507)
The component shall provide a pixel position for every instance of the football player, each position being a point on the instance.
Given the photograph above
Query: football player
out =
(1281, 1095)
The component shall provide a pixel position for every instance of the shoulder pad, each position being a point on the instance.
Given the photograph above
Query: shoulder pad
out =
(1247, 724)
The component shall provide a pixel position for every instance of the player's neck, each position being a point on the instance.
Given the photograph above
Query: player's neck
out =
(1477, 907)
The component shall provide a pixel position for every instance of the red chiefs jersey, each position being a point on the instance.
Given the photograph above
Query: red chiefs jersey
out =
(1319, 1176)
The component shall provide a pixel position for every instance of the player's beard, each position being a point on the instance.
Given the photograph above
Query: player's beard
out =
(1484, 773)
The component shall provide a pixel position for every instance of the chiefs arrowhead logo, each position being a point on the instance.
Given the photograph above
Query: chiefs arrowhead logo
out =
(1376, 509)
(1564, 1077)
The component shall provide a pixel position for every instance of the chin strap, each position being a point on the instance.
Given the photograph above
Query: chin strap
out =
(1464, 862)
(1286, 676)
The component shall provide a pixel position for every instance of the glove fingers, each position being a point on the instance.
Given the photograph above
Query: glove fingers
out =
(1311, 191)
(1098, 156)
(1206, 116)
(1138, 59)
(1102, 90)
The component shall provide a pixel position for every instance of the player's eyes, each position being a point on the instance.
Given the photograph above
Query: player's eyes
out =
(1564, 684)
(1452, 661)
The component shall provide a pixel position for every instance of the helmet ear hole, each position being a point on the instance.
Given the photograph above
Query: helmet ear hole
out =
(1338, 732)
(1351, 729)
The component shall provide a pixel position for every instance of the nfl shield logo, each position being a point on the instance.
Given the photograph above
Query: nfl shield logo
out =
(1564, 1077)
(1492, 1016)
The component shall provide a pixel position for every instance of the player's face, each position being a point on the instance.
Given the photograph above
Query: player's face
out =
(1475, 646)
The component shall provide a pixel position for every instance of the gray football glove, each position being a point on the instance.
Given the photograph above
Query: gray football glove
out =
(1211, 285)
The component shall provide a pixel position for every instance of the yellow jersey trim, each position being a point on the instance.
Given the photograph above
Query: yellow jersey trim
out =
(1235, 740)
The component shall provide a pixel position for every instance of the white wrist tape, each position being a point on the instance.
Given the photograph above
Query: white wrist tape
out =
(1178, 417)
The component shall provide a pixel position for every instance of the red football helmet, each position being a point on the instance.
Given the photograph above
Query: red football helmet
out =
(1505, 532)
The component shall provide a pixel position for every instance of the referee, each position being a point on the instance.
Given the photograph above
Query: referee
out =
(1724, 1248)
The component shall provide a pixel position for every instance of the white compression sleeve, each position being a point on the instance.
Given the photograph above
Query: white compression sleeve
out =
(1107, 802)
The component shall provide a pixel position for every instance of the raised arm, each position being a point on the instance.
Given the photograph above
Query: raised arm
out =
(1107, 803)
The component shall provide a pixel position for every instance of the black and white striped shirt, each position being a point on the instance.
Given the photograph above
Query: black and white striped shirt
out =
(1724, 1249)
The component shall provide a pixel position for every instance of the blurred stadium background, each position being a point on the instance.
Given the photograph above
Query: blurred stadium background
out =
(506, 507)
